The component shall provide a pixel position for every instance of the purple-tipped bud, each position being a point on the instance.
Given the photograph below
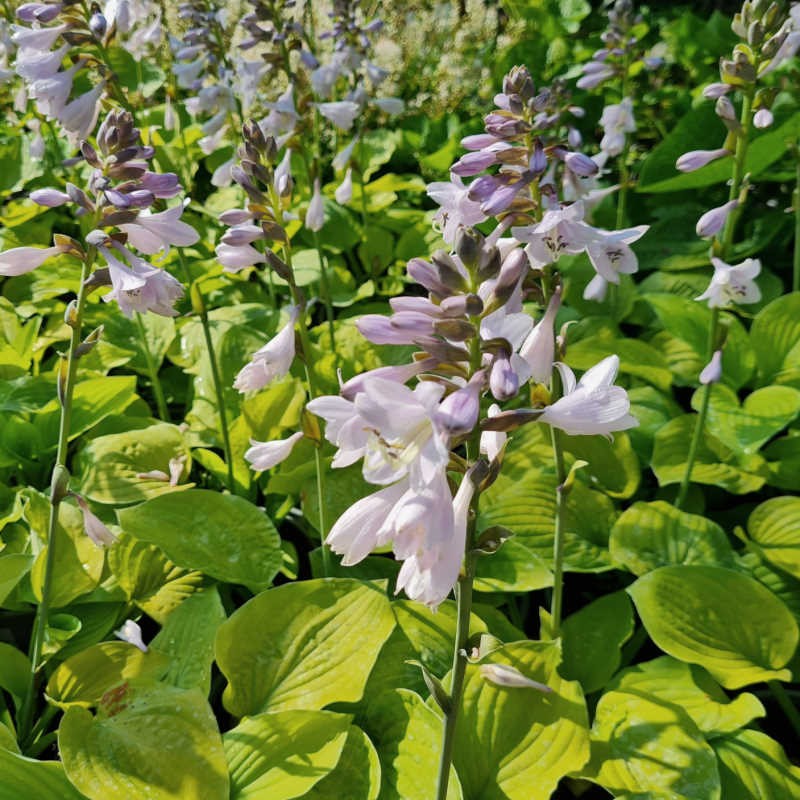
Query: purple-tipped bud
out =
(763, 118)
(162, 185)
(426, 275)
(473, 163)
(51, 198)
(458, 412)
(235, 216)
(716, 90)
(712, 372)
(574, 138)
(713, 221)
(98, 25)
(724, 109)
(478, 141)
(39, 12)
(695, 159)
(581, 165)
(538, 163)
(503, 380)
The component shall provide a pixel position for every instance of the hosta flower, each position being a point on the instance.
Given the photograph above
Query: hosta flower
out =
(712, 372)
(153, 232)
(510, 677)
(713, 221)
(492, 442)
(19, 260)
(344, 191)
(560, 231)
(733, 284)
(131, 632)
(592, 405)
(95, 528)
(341, 113)
(617, 120)
(315, 215)
(272, 361)
(456, 207)
(538, 349)
(265, 455)
(695, 159)
(610, 253)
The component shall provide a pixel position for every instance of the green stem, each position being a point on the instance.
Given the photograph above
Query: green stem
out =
(152, 369)
(786, 704)
(326, 293)
(60, 477)
(199, 306)
(796, 262)
(558, 535)
(724, 245)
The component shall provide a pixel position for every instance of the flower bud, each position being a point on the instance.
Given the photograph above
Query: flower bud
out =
(50, 198)
(507, 676)
(695, 159)
(503, 380)
(457, 330)
(713, 221)
(458, 412)
(763, 118)
(724, 109)
(468, 244)
(712, 372)
(581, 165)
(98, 25)
(449, 273)
(716, 90)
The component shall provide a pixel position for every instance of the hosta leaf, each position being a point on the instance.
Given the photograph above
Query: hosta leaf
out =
(637, 359)
(775, 527)
(775, 336)
(691, 688)
(108, 465)
(513, 568)
(651, 535)
(780, 583)
(753, 765)
(187, 640)
(84, 678)
(27, 779)
(223, 536)
(302, 645)
(359, 769)
(280, 755)
(718, 618)
(783, 460)
(149, 579)
(715, 463)
(408, 737)
(13, 567)
(147, 742)
(612, 465)
(592, 639)
(744, 428)
(517, 743)
(642, 745)
(15, 671)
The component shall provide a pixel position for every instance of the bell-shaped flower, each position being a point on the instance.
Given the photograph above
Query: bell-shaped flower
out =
(733, 284)
(236, 257)
(596, 289)
(390, 105)
(272, 361)
(610, 253)
(265, 455)
(153, 232)
(79, 116)
(341, 113)
(560, 231)
(95, 528)
(593, 405)
(616, 121)
(456, 209)
(539, 348)
(315, 215)
(344, 428)
(19, 260)
(131, 632)
(492, 442)
(344, 191)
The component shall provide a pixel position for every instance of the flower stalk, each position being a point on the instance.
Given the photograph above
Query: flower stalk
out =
(556, 604)
(152, 369)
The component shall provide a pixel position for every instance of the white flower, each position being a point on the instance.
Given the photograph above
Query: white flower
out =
(344, 192)
(315, 215)
(19, 260)
(508, 676)
(610, 253)
(617, 120)
(131, 632)
(539, 347)
(341, 113)
(95, 528)
(712, 372)
(390, 105)
(153, 232)
(80, 116)
(593, 405)
(733, 284)
(492, 441)
(265, 455)
(272, 361)
(561, 231)
(456, 209)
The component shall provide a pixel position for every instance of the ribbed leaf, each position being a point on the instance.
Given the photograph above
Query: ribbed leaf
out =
(775, 527)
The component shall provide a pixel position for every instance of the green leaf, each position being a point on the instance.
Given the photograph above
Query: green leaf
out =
(592, 640)
(83, 679)
(753, 765)
(28, 779)
(611, 465)
(281, 755)
(149, 579)
(359, 769)
(780, 583)
(13, 568)
(15, 671)
(714, 463)
(656, 534)
(408, 737)
(775, 527)
(124, 334)
(107, 467)
(641, 745)
(718, 618)
(513, 568)
(775, 336)
(692, 689)
(517, 743)
(302, 645)
(147, 742)
(223, 536)
(187, 640)
(745, 428)
(783, 460)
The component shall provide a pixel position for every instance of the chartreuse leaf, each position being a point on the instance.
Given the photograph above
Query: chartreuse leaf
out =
(408, 737)
(223, 536)
(612, 465)
(108, 465)
(775, 336)
(775, 527)
(359, 769)
(147, 742)
(651, 535)
(718, 618)
(84, 678)
(187, 640)
(753, 765)
(783, 459)
(517, 743)
(282, 754)
(642, 745)
(7, 740)
(13, 567)
(744, 428)
(715, 463)
(592, 639)
(149, 579)
(691, 688)
(28, 779)
(780, 583)
(15, 670)
(302, 645)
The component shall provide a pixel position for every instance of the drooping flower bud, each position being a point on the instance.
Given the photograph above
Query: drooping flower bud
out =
(713, 221)
(712, 372)
(695, 159)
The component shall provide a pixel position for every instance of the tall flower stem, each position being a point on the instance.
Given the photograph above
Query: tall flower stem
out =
(58, 491)
(152, 369)
(723, 246)
(558, 533)
(199, 307)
